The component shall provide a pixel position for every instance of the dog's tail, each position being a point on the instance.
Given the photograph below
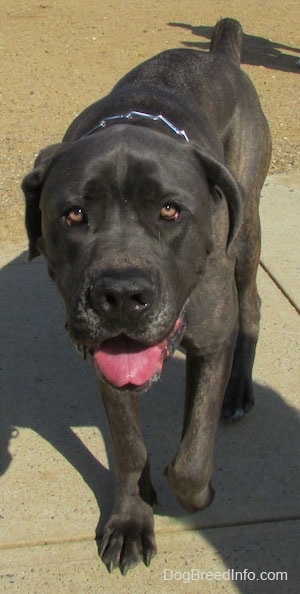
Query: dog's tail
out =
(227, 38)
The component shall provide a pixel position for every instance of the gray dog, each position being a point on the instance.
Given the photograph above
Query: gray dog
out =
(147, 214)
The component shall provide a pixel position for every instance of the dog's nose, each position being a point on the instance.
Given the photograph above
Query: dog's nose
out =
(122, 297)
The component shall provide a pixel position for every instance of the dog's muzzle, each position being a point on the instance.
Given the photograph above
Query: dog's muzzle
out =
(121, 301)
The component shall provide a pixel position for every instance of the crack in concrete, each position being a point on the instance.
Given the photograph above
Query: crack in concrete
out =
(279, 286)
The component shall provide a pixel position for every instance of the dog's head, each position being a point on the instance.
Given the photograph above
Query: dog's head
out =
(123, 218)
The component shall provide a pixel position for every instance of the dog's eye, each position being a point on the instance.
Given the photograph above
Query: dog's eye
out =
(169, 212)
(75, 216)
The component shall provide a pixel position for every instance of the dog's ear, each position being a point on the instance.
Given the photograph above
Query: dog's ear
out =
(32, 187)
(218, 175)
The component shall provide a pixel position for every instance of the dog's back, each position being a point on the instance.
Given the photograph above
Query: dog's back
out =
(188, 86)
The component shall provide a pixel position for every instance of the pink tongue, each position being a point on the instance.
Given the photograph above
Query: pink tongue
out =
(124, 361)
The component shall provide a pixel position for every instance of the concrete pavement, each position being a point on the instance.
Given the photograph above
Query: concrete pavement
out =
(56, 451)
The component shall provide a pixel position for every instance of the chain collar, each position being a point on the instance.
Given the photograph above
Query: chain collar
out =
(131, 115)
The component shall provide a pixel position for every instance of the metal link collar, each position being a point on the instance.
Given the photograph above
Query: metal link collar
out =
(124, 117)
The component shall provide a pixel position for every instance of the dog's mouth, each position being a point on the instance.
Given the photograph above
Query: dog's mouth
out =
(124, 362)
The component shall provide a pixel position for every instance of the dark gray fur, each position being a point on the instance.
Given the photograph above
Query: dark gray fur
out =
(201, 268)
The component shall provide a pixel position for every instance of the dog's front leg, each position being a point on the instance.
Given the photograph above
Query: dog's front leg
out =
(190, 473)
(128, 537)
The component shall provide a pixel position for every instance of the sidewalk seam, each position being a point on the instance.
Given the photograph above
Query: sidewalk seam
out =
(279, 286)
(79, 539)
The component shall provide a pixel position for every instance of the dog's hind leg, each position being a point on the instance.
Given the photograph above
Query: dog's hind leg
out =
(239, 397)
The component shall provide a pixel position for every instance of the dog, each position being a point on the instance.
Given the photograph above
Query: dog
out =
(147, 213)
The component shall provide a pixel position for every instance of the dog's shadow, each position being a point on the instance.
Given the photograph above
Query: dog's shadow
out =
(257, 51)
(48, 388)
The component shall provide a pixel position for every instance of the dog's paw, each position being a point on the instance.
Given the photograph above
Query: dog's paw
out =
(128, 539)
(239, 399)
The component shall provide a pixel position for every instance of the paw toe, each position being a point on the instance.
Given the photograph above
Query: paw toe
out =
(127, 542)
